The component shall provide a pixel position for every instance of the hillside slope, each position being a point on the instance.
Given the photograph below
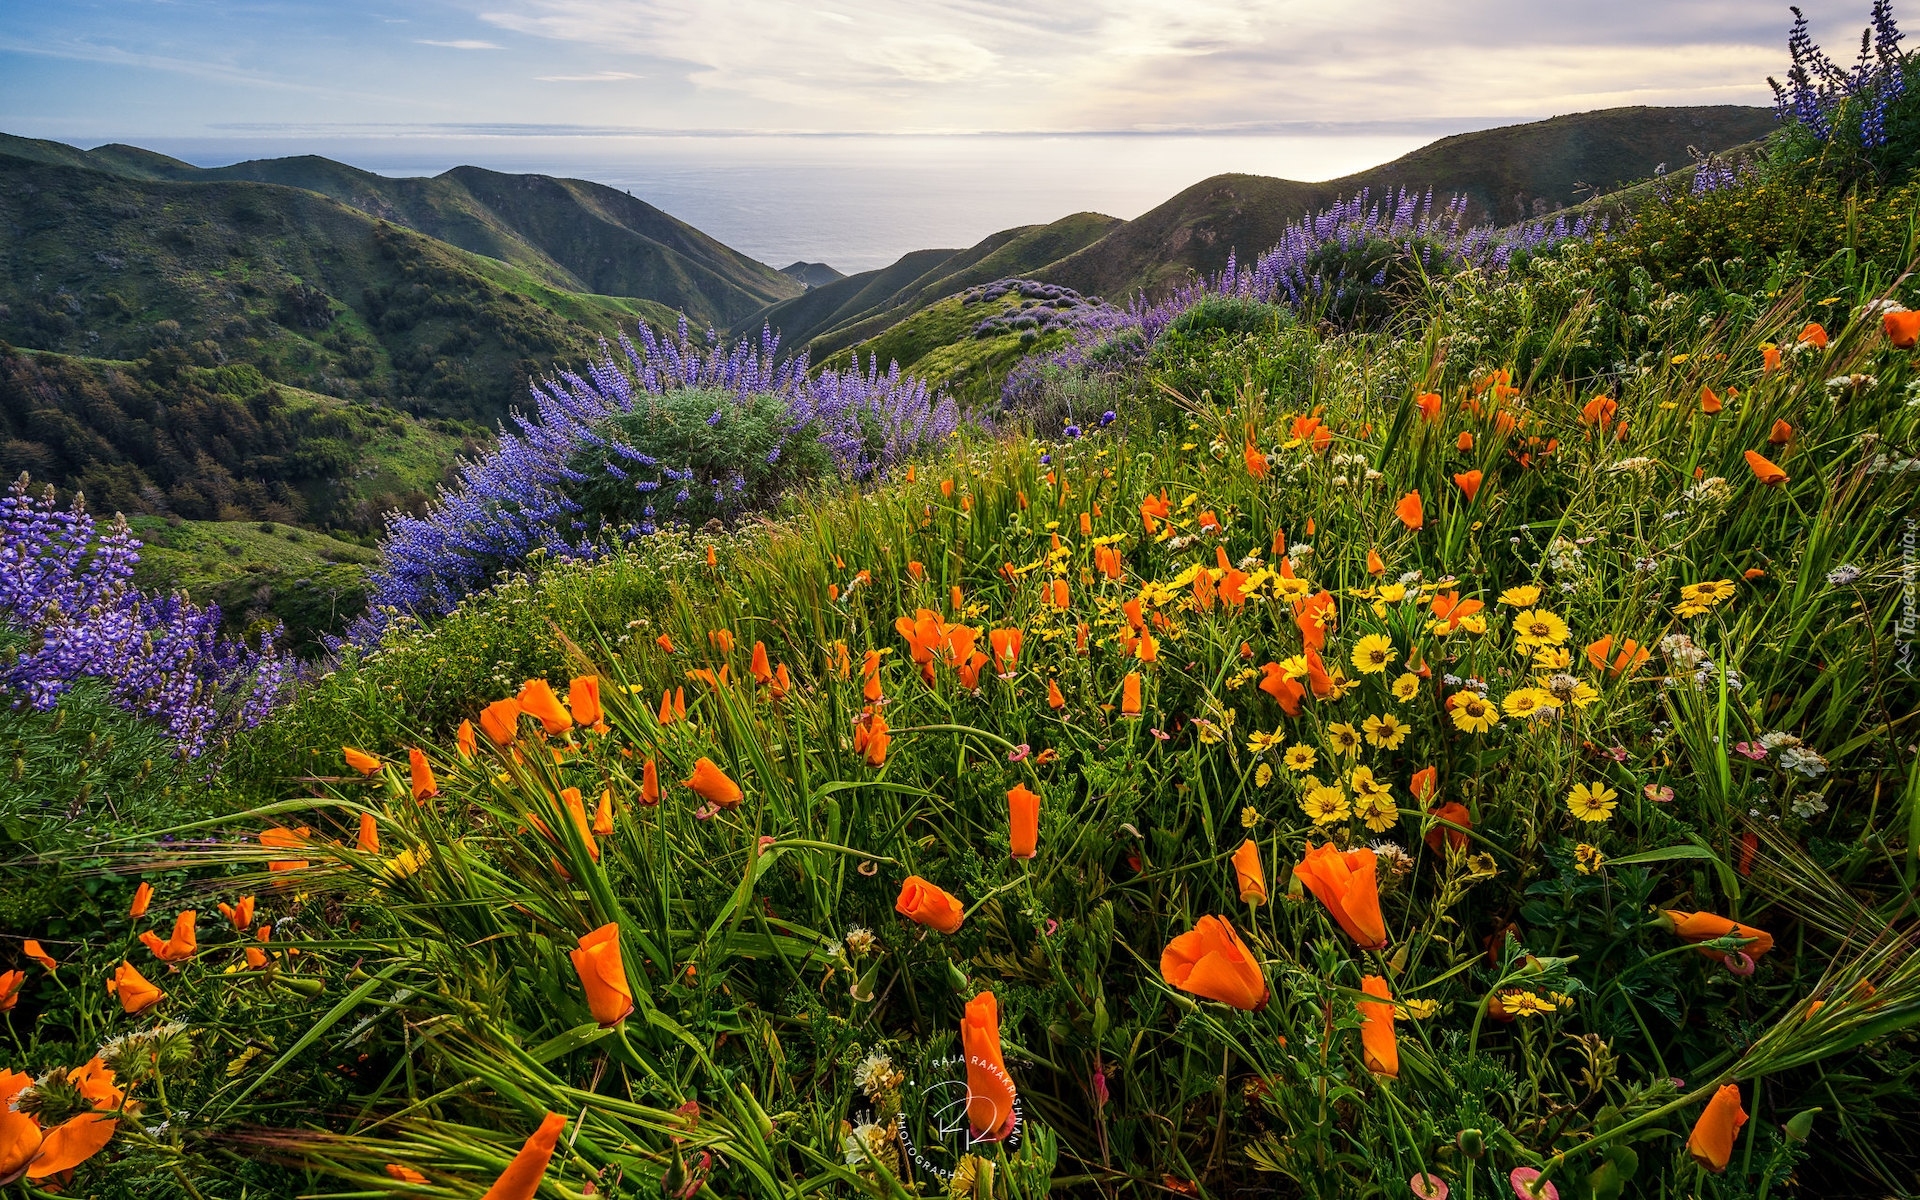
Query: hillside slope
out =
(569, 233)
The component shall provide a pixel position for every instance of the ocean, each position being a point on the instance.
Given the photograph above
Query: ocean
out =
(854, 202)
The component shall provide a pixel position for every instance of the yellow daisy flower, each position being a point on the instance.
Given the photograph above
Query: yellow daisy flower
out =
(1592, 801)
(1474, 713)
(1406, 687)
(1553, 658)
(1263, 775)
(1377, 810)
(1300, 758)
(1536, 627)
(1529, 702)
(1343, 738)
(1524, 596)
(1373, 654)
(1260, 743)
(1325, 805)
(1587, 859)
(1386, 732)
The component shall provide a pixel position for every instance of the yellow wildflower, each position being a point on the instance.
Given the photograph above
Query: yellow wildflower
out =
(1524, 596)
(1587, 859)
(1474, 713)
(1373, 654)
(1263, 775)
(1385, 732)
(1249, 817)
(1536, 627)
(1260, 743)
(1300, 758)
(1343, 738)
(1406, 687)
(1592, 801)
(1325, 805)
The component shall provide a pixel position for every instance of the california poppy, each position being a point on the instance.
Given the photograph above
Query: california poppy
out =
(1409, 511)
(1211, 961)
(665, 642)
(1709, 403)
(649, 782)
(181, 945)
(1154, 509)
(1130, 695)
(1469, 482)
(369, 839)
(1598, 411)
(500, 721)
(1023, 816)
(361, 761)
(1375, 564)
(604, 975)
(1106, 560)
(10, 984)
(136, 994)
(721, 640)
(871, 737)
(1711, 1142)
(404, 1173)
(19, 1135)
(1902, 328)
(583, 699)
(969, 671)
(1314, 616)
(1249, 873)
(142, 896)
(1780, 434)
(1706, 926)
(1464, 442)
(256, 957)
(464, 740)
(1423, 783)
(1055, 700)
(239, 914)
(1378, 1048)
(1429, 405)
(761, 667)
(71, 1143)
(1062, 594)
(1255, 460)
(420, 775)
(990, 1091)
(1814, 334)
(522, 1177)
(1347, 884)
(538, 701)
(927, 904)
(1006, 650)
(1441, 835)
(32, 949)
(712, 784)
(1631, 655)
(1450, 609)
(1287, 691)
(575, 805)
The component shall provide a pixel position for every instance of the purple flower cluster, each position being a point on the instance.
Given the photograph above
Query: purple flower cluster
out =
(1818, 89)
(1043, 307)
(66, 591)
(1305, 270)
(522, 497)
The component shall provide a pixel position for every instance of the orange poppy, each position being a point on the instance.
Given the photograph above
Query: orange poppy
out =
(181, 945)
(1106, 560)
(1375, 564)
(603, 814)
(1464, 442)
(1023, 820)
(1429, 405)
(604, 975)
(240, 914)
(1424, 783)
(1080, 639)
(1287, 691)
(927, 904)
(10, 984)
(71, 1143)
(136, 994)
(1814, 334)
(1317, 677)
(19, 1133)
(538, 701)
(924, 633)
(1378, 1047)
(665, 642)
(281, 838)
(361, 761)
(1901, 328)
(1598, 411)
(1706, 926)
(1314, 616)
(1780, 434)
(1347, 884)
(1469, 482)
(500, 721)
(1006, 650)
(1409, 511)
(1441, 835)
(1449, 608)
(369, 840)
(256, 957)
(649, 782)
(761, 667)
(969, 671)
(712, 784)
(1055, 700)
(420, 775)
(1769, 358)
(1212, 962)
(1062, 595)
(1711, 1142)
(1155, 509)
(464, 740)
(990, 1092)
(32, 949)
(142, 896)
(403, 1173)
(522, 1177)
(1709, 403)
(1249, 873)
(871, 737)
(575, 805)
(583, 699)
(1256, 461)
(1130, 695)
(1632, 654)
(721, 640)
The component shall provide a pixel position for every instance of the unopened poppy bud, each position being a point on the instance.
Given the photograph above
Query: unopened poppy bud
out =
(1471, 1143)
(1801, 1125)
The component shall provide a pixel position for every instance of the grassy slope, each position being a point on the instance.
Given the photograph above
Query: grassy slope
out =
(937, 344)
(572, 234)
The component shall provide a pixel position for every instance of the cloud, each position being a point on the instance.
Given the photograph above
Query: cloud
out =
(596, 77)
(951, 65)
(461, 44)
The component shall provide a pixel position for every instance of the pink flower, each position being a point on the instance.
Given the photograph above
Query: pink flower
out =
(1658, 794)
(1163, 736)
(1522, 1179)
(1052, 925)
(1019, 753)
(1100, 1093)
(1753, 750)
(704, 812)
(1428, 1187)
(1738, 963)
(1618, 754)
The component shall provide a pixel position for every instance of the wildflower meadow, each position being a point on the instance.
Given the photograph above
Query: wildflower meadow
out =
(1461, 743)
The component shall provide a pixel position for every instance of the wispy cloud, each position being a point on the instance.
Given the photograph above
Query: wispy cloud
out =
(596, 77)
(461, 44)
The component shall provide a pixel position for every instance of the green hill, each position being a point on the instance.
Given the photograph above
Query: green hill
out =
(570, 234)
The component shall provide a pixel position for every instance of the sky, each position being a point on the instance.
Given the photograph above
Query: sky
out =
(95, 70)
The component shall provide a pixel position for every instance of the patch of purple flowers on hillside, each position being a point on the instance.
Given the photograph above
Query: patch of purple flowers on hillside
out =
(67, 596)
(523, 496)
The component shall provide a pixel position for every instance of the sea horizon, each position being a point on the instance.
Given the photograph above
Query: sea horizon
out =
(853, 201)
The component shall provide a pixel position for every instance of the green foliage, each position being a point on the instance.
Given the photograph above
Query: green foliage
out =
(258, 573)
(939, 344)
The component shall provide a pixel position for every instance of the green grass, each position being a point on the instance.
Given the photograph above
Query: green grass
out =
(937, 344)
